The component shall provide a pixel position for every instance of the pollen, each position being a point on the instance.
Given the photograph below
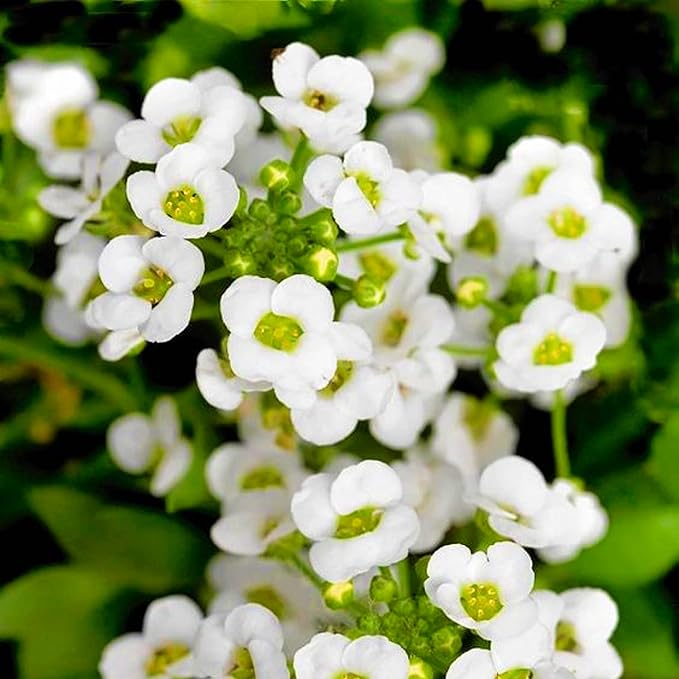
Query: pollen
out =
(357, 523)
(153, 285)
(185, 205)
(553, 350)
(480, 601)
(567, 223)
(278, 332)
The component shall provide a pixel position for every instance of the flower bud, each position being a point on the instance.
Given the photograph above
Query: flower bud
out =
(420, 669)
(471, 291)
(446, 641)
(259, 209)
(338, 595)
(321, 263)
(406, 608)
(277, 176)
(368, 291)
(239, 263)
(382, 589)
(288, 203)
(323, 228)
(370, 623)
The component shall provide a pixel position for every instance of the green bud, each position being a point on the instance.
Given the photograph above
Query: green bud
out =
(261, 210)
(281, 268)
(476, 145)
(368, 291)
(421, 646)
(392, 623)
(420, 669)
(338, 595)
(471, 291)
(370, 623)
(426, 609)
(323, 229)
(288, 203)
(277, 176)
(321, 263)
(405, 608)
(242, 206)
(297, 245)
(239, 263)
(522, 285)
(382, 589)
(446, 641)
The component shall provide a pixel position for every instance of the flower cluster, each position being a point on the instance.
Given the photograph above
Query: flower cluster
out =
(349, 274)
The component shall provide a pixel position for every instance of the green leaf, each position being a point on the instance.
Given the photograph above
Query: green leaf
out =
(62, 617)
(644, 636)
(663, 464)
(136, 547)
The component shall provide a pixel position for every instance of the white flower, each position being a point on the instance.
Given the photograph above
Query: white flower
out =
(403, 67)
(521, 505)
(591, 522)
(470, 434)
(293, 600)
(99, 176)
(76, 280)
(599, 287)
(435, 491)
(552, 344)
(365, 191)
(246, 642)
(356, 520)
(329, 656)
(411, 138)
(162, 649)
(150, 286)
(486, 592)
(530, 161)
(234, 469)
(582, 634)
(57, 113)
(141, 444)
(284, 334)
(326, 98)
(186, 196)
(253, 521)
(176, 111)
(120, 343)
(450, 208)
(479, 663)
(568, 223)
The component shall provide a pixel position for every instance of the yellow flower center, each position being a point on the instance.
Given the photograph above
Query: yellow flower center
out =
(278, 332)
(477, 416)
(590, 297)
(565, 637)
(185, 205)
(567, 222)
(553, 350)
(153, 285)
(534, 180)
(357, 523)
(267, 596)
(165, 656)
(394, 327)
(483, 239)
(480, 601)
(242, 667)
(520, 673)
(368, 187)
(266, 476)
(72, 129)
(181, 130)
(320, 100)
(377, 265)
(345, 370)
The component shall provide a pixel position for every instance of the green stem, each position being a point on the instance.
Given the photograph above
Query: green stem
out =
(300, 159)
(362, 243)
(211, 247)
(461, 350)
(403, 573)
(344, 282)
(303, 567)
(19, 276)
(215, 275)
(498, 309)
(559, 440)
(551, 282)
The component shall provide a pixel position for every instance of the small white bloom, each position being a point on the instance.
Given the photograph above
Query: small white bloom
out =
(253, 521)
(450, 208)
(56, 112)
(411, 138)
(176, 111)
(325, 98)
(247, 640)
(521, 505)
(153, 444)
(99, 176)
(403, 67)
(218, 384)
(365, 191)
(592, 522)
(356, 520)
(186, 196)
(284, 334)
(470, 434)
(162, 649)
(435, 491)
(553, 344)
(568, 223)
(479, 663)
(120, 343)
(328, 656)
(150, 286)
(234, 469)
(486, 592)
(238, 580)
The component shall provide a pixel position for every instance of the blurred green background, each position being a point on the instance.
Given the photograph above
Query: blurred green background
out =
(84, 548)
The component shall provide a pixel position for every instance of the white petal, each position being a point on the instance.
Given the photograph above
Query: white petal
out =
(322, 177)
(121, 262)
(119, 311)
(181, 166)
(352, 210)
(130, 441)
(290, 69)
(169, 99)
(220, 195)
(515, 483)
(183, 261)
(323, 423)
(63, 201)
(252, 621)
(370, 158)
(172, 619)
(125, 658)
(144, 195)
(118, 344)
(170, 316)
(141, 141)
(303, 298)
(476, 663)
(215, 387)
(346, 78)
(377, 658)
(311, 509)
(367, 484)
(171, 469)
(244, 303)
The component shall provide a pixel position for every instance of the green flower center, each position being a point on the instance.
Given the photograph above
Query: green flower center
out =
(319, 100)
(268, 597)
(362, 521)
(477, 416)
(394, 327)
(553, 350)
(565, 637)
(278, 332)
(377, 266)
(480, 601)
(590, 297)
(567, 223)
(153, 285)
(185, 205)
(269, 526)
(368, 187)
(534, 180)
(181, 130)
(266, 476)
(71, 129)
(165, 656)
(471, 291)
(345, 370)
(520, 673)
(242, 667)
(483, 239)
(350, 675)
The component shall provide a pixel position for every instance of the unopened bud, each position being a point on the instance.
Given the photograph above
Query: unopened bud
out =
(239, 263)
(288, 203)
(338, 595)
(382, 589)
(277, 176)
(259, 209)
(323, 228)
(321, 263)
(471, 291)
(420, 669)
(368, 291)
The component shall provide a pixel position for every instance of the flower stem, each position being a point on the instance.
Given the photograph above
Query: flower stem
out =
(562, 463)
(403, 577)
(303, 567)
(212, 247)
(461, 350)
(300, 159)
(215, 275)
(26, 280)
(551, 282)
(344, 282)
(362, 243)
